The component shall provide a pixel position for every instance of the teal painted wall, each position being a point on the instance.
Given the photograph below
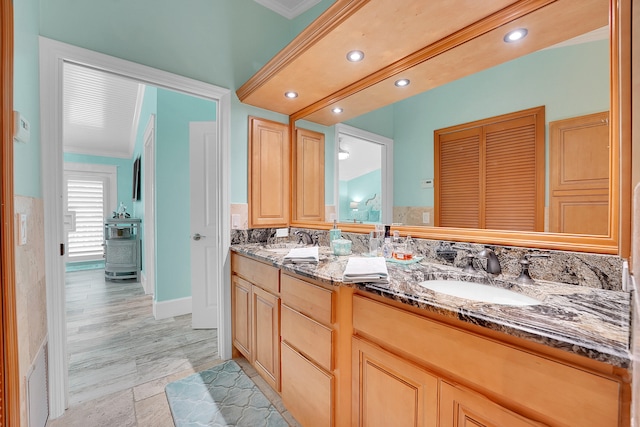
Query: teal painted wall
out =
(555, 78)
(304, 19)
(173, 262)
(359, 189)
(26, 97)
(569, 81)
(223, 43)
(380, 121)
(124, 170)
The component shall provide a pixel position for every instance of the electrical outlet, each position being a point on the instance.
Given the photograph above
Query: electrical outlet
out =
(235, 221)
(282, 232)
(426, 217)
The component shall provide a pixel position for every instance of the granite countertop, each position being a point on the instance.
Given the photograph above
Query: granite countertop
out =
(594, 323)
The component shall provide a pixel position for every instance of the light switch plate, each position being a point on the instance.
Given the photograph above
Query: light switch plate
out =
(282, 232)
(22, 229)
(426, 217)
(426, 183)
(235, 221)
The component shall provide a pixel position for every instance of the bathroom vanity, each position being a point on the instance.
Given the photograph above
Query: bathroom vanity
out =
(400, 354)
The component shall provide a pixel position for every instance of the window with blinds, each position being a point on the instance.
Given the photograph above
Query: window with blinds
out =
(490, 173)
(86, 197)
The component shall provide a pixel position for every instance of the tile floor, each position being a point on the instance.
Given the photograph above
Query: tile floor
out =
(120, 358)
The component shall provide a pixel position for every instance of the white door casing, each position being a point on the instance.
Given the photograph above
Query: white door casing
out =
(149, 166)
(204, 153)
(52, 56)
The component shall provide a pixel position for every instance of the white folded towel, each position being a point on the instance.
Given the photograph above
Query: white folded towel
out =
(302, 255)
(366, 269)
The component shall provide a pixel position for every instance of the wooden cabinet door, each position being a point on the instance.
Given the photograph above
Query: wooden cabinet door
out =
(307, 390)
(579, 175)
(463, 408)
(389, 391)
(308, 193)
(266, 335)
(268, 173)
(241, 314)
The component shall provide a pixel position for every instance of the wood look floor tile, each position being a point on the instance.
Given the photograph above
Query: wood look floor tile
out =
(121, 358)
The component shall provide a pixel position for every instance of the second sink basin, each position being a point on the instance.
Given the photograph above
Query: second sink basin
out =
(479, 292)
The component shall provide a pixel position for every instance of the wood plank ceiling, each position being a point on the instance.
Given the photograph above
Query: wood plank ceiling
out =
(430, 43)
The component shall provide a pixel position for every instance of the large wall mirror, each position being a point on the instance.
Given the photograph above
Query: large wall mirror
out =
(571, 79)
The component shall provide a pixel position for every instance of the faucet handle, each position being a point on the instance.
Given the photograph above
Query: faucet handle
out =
(525, 262)
(469, 268)
(524, 276)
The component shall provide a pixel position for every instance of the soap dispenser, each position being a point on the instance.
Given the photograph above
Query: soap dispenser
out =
(334, 234)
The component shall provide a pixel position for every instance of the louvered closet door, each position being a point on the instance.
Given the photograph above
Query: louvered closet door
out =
(457, 166)
(490, 173)
(511, 184)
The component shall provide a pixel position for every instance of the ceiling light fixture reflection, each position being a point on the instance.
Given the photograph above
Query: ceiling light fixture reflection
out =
(291, 94)
(343, 154)
(337, 110)
(355, 56)
(515, 35)
(402, 82)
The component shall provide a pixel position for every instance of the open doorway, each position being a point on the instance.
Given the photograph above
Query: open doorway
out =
(53, 56)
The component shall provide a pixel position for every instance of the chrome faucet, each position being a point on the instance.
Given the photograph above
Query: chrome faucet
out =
(305, 238)
(493, 264)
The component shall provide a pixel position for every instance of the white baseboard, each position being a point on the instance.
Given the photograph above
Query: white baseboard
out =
(171, 308)
(148, 290)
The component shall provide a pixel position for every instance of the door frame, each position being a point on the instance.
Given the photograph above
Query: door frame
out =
(149, 180)
(386, 144)
(53, 54)
(10, 375)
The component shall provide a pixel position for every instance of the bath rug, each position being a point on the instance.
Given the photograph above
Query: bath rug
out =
(220, 397)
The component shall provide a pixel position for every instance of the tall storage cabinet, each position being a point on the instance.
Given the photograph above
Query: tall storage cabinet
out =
(122, 248)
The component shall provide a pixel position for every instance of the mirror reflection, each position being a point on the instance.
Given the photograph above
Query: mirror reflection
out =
(571, 80)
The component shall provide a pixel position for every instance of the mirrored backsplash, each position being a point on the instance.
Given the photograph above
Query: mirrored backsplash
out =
(582, 269)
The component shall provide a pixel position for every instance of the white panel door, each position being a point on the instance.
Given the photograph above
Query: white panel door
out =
(205, 204)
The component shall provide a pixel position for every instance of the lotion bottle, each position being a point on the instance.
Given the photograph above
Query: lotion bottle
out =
(334, 234)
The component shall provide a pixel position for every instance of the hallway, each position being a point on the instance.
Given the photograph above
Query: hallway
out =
(120, 358)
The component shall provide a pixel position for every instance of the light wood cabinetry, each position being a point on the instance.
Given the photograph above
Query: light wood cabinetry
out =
(308, 170)
(241, 302)
(266, 335)
(390, 391)
(511, 379)
(342, 357)
(464, 408)
(579, 175)
(256, 315)
(307, 351)
(268, 173)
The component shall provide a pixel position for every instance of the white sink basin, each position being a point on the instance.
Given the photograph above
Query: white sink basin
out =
(479, 292)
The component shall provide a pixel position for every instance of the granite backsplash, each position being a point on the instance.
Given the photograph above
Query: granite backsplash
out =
(575, 268)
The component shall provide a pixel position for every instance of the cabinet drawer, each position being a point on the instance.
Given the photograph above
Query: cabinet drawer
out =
(307, 390)
(307, 336)
(308, 299)
(555, 389)
(263, 275)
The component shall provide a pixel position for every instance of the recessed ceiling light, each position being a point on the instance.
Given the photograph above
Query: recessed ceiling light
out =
(355, 55)
(515, 35)
(337, 110)
(291, 94)
(402, 82)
